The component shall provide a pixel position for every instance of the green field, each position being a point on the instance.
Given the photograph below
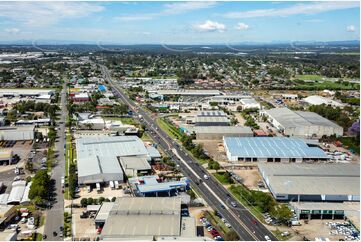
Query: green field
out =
(221, 178)
(168, 128)
(129, 121)
(310, 77)
(312, 86)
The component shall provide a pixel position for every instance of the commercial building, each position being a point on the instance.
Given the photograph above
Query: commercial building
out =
(17, 132)
(153, 186)
(312, 182)
(302, 124)
(249, 103)
(227, 99)
(318, 100)
(271, 149)
(97, 157)
(325, 210)
(7, 212)
(36, 122)
(218, 132)
(18, 92)
(211, 114)
(81, 97)
(147, 219)
(185, 92)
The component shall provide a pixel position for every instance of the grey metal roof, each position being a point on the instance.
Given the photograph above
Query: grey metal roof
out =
(97, 156)
(312, 179)
(271, 147)
(289, 118)
(211, 114)
(137, 163)
(140, 216)
(211, 119)
(222, 129)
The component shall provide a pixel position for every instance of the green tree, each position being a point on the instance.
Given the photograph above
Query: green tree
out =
(282, 213)
(84, 202)
(231, 236)
(40, 188)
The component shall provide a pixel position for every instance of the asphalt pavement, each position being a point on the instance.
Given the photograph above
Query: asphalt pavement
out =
(242, 221)
(55, 215)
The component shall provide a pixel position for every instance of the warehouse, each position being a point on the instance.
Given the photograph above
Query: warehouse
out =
(325, 210)
(218, 132)
(249, 103)
(17, 192)
(18, 92)
(212, 121)
(97, 157)
(211, 114)
(301, 124)
(185, 92)
(312, 182)
(151, 218)
(318, 100)
(17, 133)
(271, 149)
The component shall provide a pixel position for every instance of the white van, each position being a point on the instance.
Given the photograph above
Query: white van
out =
(98, 187)
(111, 184)
(116, 184)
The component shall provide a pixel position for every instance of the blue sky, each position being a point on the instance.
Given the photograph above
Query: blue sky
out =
(179, 22)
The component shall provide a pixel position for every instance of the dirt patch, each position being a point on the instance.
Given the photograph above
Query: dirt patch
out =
(214, 148)
(250, 178)
(83, 227)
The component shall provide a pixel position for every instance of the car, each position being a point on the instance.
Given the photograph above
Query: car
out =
(222, 206)
(44, 236)
(234, 204)
(267, 238)
(228, 225)
(55, 233)
(61, 233)
(254, 221)
(61, 228)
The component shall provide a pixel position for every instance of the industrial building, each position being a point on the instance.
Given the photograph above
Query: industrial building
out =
(185, 92)
(18, 92)
(151, 218)
(146, 186)
(318, 100)
(312, 182)
(218, 132)
(17, 133)
(325, 210)
(17, 192)
(249, 103)
(7, 212)
(301, 124)
(271, 149)
(212, 121)
(97, 157)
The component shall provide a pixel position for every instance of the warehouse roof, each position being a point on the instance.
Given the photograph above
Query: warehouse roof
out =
(289, 118)
(186, 92)
(135, 162)
(140, 216)
(210, 119)
(318, 100)
(18, 128)
(17, 192)
(312, 179)
(222, 129)
(326, 206)
(273, 147)
(249, 101)
(211, 114)
(110, 146)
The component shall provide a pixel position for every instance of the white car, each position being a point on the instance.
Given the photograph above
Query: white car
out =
(267, 238)
(233, 204)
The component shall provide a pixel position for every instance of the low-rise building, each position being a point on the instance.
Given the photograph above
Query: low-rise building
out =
(271, 149)
(17, 132)
(301, 124)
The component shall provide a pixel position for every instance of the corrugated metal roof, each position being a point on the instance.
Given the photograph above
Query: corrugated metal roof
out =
(312, 179)
(273, 147)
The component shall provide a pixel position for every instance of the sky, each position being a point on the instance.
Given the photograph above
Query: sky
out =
(179, 22)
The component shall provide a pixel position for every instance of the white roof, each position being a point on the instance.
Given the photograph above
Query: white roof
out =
(318, 100)
(17, 192)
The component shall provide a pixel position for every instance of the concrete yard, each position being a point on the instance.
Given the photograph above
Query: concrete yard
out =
(82, 228)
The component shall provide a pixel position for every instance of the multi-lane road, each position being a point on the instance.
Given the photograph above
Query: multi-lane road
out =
(55, 215)
(242, 221)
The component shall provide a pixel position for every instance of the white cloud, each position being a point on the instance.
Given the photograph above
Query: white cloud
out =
(351, 28)
(168, 9)
(12, 30)
(46, 13)
(309, 8)
(242, 26)
(210, 26)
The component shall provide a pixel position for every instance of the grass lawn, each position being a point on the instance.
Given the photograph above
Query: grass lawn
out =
(168, 128)
(327, 85)
(222, 178)
(129, 121)
(146, 137)
(310, 77)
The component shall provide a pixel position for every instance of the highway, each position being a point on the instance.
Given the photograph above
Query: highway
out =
(242, 221)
